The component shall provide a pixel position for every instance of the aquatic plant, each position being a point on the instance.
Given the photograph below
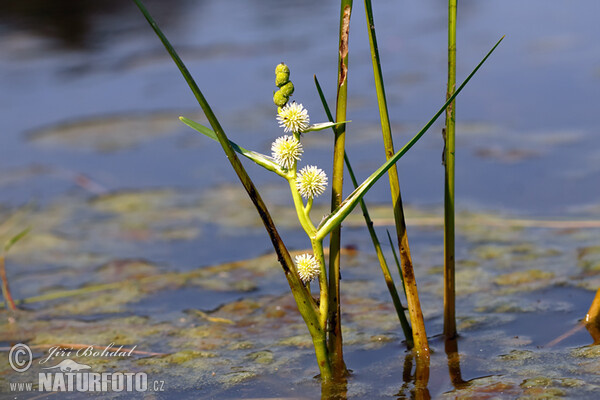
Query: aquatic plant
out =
(321, 316)
(337, 185)
(419, 335)
(448, 158)
(389, 281)
(8, 299)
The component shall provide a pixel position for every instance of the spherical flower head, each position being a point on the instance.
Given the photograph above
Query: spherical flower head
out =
(293, 118)
(286, 151)
(308, 267)
(311, 182)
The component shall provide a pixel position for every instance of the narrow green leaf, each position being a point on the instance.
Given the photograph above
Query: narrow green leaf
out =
(306, 305)
(376, 244)
(323, 125)
(323, 100)
(258, 158)
(396, 260)
(346, 207)
(9, 243)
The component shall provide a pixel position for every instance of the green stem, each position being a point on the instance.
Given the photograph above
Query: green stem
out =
(323, 357)
(304, 301)
(301, 210)
(387, 276)
(317, 246)
(412, 296)
(396, 260)
(337, 216)
(8, 299)
(380, 256)
(308, 207)
(337, 183)
(449, 228)
(303, 213)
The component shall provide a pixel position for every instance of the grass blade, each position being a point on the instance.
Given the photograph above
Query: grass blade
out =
(258, 158)
(396, 260)
(352, 200)
(407, 272)
(10, 242)
(306, 304)
(376, 244)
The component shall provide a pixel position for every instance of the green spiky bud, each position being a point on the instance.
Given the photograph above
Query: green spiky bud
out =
(280, 99)
(287, 89)
(282, 68)
(281, 78)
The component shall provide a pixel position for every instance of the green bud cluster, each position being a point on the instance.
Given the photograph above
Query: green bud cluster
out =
(286, 87)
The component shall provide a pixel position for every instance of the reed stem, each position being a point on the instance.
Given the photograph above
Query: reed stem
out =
(387, 276)
(449, 228)
(380, 256)
(337, 183)
(412, 296)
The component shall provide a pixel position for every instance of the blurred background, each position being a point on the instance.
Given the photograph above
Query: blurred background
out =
(87, 88)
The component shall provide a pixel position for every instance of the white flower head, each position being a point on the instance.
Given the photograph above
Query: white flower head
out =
(308, 267)
(293, 118)
(311, 182)
(286, 150)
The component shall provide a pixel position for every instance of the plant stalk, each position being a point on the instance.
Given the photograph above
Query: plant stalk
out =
(412, 296)
(387, 276)
(8, 299)
(317, 246)
(337, 183)
(449, 228)
(380, 256)
(337, 216)
(304, 301)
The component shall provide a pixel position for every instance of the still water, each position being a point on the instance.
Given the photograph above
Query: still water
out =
(92, 150)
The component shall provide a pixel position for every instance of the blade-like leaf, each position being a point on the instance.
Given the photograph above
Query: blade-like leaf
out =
(341, 212)
(376, 244)
(305, 302)
(396, 260)
(10, 242)
(258, 158)
(323, 125)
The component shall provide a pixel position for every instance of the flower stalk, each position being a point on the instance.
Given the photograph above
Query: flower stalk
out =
(304, 301)
(322, 316)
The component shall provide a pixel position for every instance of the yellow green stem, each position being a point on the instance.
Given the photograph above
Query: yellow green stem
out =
(449, 228)
(301, 210)
(412, 296)
(317, 246)
(8, 299)
(337, 184)
(303, 299)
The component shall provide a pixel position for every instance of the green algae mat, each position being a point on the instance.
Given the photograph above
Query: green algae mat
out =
(117, 283)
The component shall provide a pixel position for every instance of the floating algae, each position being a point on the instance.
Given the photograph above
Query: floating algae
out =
(230, 325)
